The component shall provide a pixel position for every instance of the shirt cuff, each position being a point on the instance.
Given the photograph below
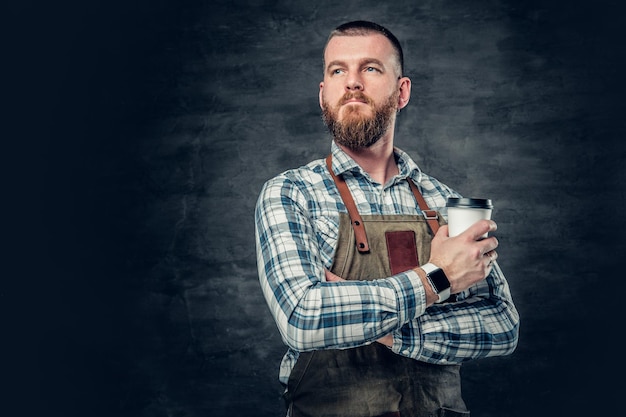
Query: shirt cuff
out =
(407, 342)
(411, 296)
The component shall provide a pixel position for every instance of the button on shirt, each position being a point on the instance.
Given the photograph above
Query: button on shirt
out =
(297, 223)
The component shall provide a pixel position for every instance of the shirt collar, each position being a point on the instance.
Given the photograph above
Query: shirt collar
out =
(343, 163)
(407, 167)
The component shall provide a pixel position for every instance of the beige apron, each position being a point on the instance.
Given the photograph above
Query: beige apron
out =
(371, 380)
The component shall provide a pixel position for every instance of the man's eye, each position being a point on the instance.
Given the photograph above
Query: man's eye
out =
(371, 69)
(336, 71)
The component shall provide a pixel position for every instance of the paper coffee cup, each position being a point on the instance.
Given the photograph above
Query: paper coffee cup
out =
(464, 212)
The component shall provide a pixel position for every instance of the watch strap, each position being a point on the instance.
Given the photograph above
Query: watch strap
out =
(438, 281)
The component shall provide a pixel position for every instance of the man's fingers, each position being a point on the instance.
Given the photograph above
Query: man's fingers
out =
(330, 277)
(488, 245)
(491, 256)
(478, 230)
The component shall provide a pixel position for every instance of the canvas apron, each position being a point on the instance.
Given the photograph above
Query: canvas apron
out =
(371, 380)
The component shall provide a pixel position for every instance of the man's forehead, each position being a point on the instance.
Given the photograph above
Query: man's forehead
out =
(347, 44)
(342, 48)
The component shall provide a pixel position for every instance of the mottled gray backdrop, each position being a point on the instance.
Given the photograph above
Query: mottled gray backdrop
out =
(154, 124)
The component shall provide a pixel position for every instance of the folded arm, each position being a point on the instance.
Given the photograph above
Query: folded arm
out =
(483, 322)
(310, 312)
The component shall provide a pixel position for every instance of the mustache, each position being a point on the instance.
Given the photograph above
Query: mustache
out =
(358, 95)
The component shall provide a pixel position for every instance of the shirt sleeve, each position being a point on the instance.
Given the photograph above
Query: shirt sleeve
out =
(482, 322)
(311, 313)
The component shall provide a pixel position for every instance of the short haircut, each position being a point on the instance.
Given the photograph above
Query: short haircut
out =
(363, 28)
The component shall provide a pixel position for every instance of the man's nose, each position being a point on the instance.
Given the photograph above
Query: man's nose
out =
(354, 83)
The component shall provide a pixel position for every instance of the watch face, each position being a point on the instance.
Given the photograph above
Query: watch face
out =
(439, 280)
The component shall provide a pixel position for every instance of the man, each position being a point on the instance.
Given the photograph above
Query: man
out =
(356, 270)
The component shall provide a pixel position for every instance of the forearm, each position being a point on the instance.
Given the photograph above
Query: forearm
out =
(484, 322)
(343, 314)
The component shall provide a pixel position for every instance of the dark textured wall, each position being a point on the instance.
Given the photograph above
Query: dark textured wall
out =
(156, 124)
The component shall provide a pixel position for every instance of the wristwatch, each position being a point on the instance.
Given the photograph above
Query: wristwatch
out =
(438, 281)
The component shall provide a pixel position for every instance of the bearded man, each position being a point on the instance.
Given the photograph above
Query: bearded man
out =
(377, 305)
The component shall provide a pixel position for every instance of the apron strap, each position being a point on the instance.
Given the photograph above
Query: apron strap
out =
(431, 216)
(353, 212)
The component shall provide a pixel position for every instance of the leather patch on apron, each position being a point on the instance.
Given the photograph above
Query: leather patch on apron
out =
(401, 250)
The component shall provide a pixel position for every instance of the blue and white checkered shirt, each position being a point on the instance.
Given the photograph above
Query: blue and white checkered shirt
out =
(297, 224)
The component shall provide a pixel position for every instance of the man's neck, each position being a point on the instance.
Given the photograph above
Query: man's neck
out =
(377, 160)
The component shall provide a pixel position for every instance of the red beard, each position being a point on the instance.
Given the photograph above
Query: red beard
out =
(356, 130)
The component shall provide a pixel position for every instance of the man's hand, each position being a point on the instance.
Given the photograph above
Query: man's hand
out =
(467, 258)
(330, 277)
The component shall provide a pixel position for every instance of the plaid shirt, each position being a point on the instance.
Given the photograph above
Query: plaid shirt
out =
(297, 223)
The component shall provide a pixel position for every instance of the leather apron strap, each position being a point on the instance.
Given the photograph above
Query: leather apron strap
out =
(355, 218)
(431, 216)
(362, 244)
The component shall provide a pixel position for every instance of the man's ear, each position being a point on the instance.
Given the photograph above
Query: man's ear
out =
(321, 89)
(404, 85)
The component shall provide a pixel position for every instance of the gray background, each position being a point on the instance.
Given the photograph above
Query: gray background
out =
(148, 129)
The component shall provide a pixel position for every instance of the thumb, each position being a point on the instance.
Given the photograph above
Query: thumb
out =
(442, 232)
